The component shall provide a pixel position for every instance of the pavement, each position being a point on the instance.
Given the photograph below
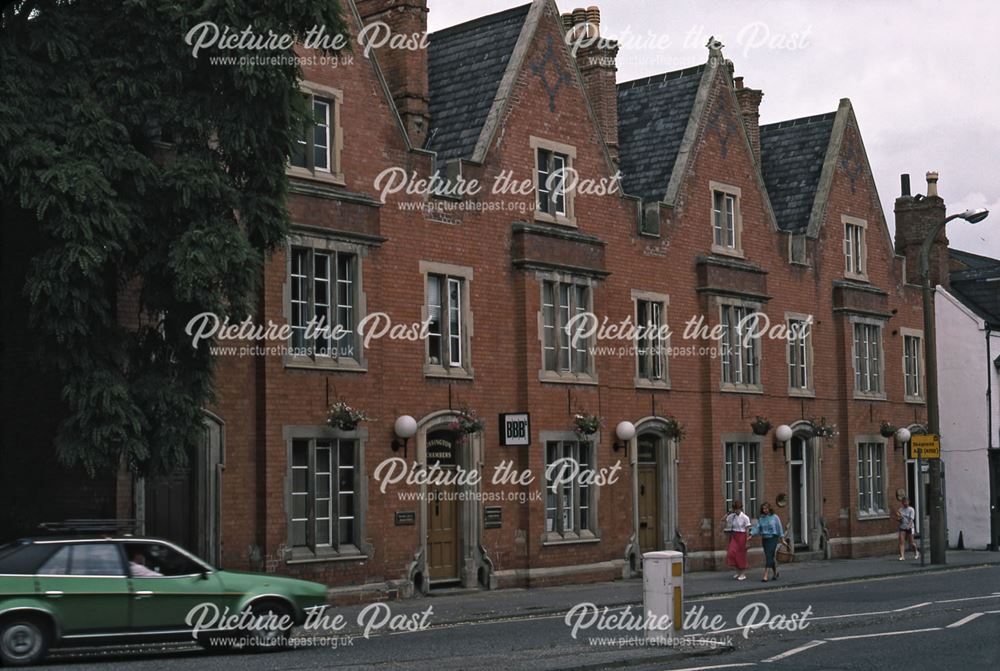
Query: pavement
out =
(464, 606)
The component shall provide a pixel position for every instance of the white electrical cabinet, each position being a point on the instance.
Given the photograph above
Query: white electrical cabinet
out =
(662, 593)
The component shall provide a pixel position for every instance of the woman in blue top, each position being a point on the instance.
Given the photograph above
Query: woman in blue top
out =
(769, 528)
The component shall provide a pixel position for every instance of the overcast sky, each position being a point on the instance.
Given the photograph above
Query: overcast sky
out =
(922, 76)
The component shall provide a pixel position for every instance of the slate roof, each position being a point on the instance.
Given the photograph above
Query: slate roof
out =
(978, 287)
(465, 65)
(792, 155)
(653, 114)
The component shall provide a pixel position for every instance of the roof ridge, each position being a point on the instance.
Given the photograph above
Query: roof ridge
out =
(978, 256)
(662, 77)
(801, 121)
(479, 21)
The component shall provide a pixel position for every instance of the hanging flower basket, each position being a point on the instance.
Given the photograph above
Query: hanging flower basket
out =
(760, 426)
(821, 429)
(673, 428)
(344, 417)
(887, 430)
(467, 422)
(587, 425)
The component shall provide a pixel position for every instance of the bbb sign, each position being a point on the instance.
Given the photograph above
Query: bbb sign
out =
(515, 429)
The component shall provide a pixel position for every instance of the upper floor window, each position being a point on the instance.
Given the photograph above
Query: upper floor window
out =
(553, 174)
(651, 345)
(855, 248)
(317, 150)
(740, 347)
(800, 355)
(868, 359)
(323, 301)
(913, 358)
(565, 351)
(726, 222)
(448, 318)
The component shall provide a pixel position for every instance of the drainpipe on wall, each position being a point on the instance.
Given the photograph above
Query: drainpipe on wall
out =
(994, 485)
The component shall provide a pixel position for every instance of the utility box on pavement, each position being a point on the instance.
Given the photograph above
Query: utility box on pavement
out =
(663, 593)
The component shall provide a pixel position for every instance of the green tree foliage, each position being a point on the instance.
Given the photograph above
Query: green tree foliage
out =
(155, 181)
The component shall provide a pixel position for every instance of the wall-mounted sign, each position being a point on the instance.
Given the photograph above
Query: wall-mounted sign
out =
(515, 429)
(493, 517)
(406, 518)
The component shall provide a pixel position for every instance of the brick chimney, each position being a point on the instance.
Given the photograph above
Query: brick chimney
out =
(749, 101)
(597, 59)
(916, 216)
(405, 70)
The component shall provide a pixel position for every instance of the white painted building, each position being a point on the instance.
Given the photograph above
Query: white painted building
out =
(968, 353)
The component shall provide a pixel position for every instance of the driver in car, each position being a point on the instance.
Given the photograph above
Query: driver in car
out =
(139, 569)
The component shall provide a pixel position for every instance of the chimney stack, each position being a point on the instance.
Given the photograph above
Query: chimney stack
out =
(749, 102)
(916, 217)
(597, 60)
(405, 70)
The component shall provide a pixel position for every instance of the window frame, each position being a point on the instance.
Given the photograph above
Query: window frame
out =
(855, 248)
(587, 374)
(663, 302)
(717, 189)
(809, 390)
(860, 391)
(908, 335)
(579, 533)
(314, 243)
(335, 136)
(752, 470)
(463, 276)
(870, 471)
(568, 154)
(335, 549)
(725, 362)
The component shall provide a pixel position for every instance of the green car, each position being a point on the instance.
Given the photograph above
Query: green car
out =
(81, 591)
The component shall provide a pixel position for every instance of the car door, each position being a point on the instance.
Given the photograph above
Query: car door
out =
(167, 585)
(87, 588)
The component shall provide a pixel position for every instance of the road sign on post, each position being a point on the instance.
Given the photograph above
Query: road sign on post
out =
(925, 447)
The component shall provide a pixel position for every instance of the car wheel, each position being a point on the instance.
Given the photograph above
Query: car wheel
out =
(23, 640)
(268, 636)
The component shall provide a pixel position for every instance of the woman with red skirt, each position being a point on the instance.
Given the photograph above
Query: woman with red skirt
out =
(738, 525)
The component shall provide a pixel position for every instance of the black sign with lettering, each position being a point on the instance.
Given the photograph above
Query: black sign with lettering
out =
(406, 518)
(493, 517)
(515, 429)
(441, 448)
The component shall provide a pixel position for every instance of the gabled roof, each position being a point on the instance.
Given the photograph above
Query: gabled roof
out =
(792, 156)
(466, 64)
(653, 115)
(978, 287)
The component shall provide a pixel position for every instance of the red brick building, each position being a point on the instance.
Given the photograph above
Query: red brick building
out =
(716, 218)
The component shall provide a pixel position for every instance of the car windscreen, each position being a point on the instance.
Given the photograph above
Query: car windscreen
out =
(24, 558)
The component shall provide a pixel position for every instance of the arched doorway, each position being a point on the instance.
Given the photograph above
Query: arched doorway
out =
(656, 492)
(804, 500)
(443, 529)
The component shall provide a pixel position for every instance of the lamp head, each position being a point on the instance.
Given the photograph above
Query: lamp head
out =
(625, 431)
(405, 427)
(976, 215)
(783, 433)
(903, 435)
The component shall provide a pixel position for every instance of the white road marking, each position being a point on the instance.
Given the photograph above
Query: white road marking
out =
(717, 666)
(995, 595)
(884, 633)
(794, 651)
(964, 620)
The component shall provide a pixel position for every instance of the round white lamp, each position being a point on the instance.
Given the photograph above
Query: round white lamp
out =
(783, 433)
(405, 428)
(625, 431)
(903, 435)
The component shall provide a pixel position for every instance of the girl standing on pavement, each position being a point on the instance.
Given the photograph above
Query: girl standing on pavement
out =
(736, 555)
(770, 530)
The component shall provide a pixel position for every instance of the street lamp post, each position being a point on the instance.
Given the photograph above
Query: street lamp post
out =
(939, 542)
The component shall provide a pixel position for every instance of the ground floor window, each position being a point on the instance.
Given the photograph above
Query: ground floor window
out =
(569, 510)
(324, 494)
(871, 489)
(742, 476)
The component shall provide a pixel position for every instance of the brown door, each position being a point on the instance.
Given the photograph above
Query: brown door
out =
(442, 533)
(649, 493)
(168, 508)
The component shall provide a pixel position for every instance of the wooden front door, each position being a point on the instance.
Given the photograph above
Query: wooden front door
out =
(442, 533)
(649, 496)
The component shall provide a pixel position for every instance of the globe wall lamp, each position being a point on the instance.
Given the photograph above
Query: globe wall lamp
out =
(782, 435)
(625, 431)
(405, 428)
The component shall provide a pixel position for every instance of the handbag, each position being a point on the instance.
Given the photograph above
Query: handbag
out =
(784, 552)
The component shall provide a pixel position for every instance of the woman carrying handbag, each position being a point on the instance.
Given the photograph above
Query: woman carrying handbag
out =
(737, 525)
(770, 530)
